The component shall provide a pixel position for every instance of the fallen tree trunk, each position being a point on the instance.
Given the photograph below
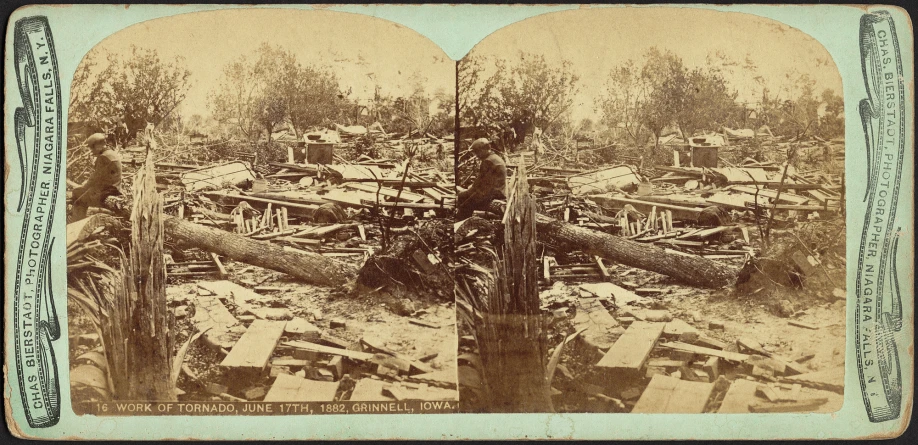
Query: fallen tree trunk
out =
(309, 267)
(696, 271)
(692, 270)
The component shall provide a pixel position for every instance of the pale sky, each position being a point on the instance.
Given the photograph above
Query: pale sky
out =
(597, 40)
(361, 50)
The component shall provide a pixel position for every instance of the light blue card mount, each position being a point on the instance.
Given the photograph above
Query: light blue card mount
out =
(865, 55)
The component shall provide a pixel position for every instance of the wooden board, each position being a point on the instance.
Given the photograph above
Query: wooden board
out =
(666, 394)
(800, 406)
(289, 388)
(386, 191)
(738, 398)
(210, 312)
(732, 356)
(369, 390)
(632, 348)
(772, 194)
(305, 345)
(255, 347)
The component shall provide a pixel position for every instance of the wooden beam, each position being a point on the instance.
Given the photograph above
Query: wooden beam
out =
(322, 349)
(670, 395)
(288, 388)
(255, 347)
(732, 356)
(631, 350)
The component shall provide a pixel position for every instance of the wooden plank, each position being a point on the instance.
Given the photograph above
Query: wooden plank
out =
(602, 268)
(217, 195)
(255, 347)
(801, 324)
(386, 191)
(808, 208)
(772, 194)
(800, 406)
(356, 355)
(648, 205)
(632, 348)
(738, 398)
(219, 264)
(666, 394)
(369, 390)
(374, 345)
(404, 205)
(321, 231)
(732, 356)
(289, 388)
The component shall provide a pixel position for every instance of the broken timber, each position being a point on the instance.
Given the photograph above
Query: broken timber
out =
(309, 267)
(322, 349)
(666, 394)
(631, 350)
(740, 395)
(288, 388)
(255, 347)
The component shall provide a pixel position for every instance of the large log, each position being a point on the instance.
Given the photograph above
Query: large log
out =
(692, 270)
(309, 267)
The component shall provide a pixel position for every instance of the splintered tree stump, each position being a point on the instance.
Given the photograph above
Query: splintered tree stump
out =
(150, 357)
(510, 332)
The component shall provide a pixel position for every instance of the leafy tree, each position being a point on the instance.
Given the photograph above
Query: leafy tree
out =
(624, 102)
(663, 92)
(516, 97)
(533, 87)
(832, 122)
(258, 94)
(235, 100)
(310, 94)
(129, 93)
(665, 74)
(706, 103)
(799, 117)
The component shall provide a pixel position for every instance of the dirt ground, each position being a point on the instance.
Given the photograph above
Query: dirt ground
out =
(753, 316)
(380, 316)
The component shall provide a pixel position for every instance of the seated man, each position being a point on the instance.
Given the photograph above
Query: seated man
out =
(102, 183)
(490, 183)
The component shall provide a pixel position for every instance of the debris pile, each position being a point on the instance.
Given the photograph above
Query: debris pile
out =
(266, 265)
(684, 289)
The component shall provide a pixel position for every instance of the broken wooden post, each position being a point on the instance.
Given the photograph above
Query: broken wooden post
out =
(150, 355)
(510, 336)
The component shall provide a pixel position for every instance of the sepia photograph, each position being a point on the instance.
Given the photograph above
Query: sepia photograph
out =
(650, 216)
(260, 209)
